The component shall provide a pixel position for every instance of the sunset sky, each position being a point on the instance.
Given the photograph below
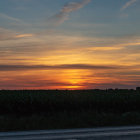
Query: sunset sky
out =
(69, 44)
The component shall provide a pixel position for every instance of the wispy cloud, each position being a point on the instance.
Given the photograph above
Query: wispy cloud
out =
(23, 35)
(13, 22)
(64, 66)
(10, 18)
(63, 15)
(128, 4)
(6, 34)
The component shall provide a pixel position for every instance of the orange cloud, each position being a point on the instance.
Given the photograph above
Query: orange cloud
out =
(24, 35)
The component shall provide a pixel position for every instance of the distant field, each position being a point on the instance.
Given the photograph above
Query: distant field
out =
(54, 109)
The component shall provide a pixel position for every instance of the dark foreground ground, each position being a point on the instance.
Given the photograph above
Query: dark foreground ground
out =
(55, 109)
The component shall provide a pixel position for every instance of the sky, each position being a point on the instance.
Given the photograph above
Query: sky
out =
(69, 44)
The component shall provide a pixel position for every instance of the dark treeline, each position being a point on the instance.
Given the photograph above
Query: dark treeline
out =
(58, 109)
(24, 102)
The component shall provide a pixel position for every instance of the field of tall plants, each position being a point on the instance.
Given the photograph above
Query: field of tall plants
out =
(53, 109)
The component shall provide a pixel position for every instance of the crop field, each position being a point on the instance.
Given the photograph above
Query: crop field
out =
(54, 109)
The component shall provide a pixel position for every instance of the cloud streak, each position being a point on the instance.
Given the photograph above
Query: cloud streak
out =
(66, 10)
(6, 34)
(128, 4)
(45, 67)
(13, 20)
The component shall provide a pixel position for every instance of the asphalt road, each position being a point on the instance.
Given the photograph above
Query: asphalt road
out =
(108, 133)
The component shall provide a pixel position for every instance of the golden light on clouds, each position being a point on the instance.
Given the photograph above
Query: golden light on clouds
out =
(24, 35)
(75, 78)
(68, 61)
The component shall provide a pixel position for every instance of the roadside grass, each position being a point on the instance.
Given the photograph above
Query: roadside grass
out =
(64, 120)
(54, 109)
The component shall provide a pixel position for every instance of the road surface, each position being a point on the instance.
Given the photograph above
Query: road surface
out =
(107, 133)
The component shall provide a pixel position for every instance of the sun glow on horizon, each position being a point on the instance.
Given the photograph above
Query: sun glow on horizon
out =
(73, 44)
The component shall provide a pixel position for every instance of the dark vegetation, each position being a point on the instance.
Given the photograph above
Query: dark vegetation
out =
(56, 109)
